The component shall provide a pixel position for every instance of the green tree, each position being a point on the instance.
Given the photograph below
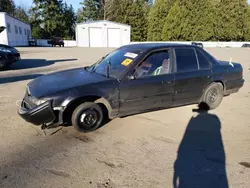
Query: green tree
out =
(7, 6)
(242, 19)
(69, 21)
(198, 20)
(138, 20)
(118, 10)
(21, 13)
(91, 10)
(52, 17)
(157, 17)
(173, 26)
(232, 19)
(132, 12)
(247, 22)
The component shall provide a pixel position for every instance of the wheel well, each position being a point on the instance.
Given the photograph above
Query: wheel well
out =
(67, 113)
(219, 81)
(216, 81)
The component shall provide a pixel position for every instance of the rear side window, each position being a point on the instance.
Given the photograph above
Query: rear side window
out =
(211, 58)
(186, 59)
(203, 62)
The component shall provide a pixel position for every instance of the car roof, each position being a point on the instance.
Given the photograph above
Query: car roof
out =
(152, 46)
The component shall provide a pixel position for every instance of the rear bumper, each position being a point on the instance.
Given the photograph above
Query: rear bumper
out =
(39, 115)
(233, 86)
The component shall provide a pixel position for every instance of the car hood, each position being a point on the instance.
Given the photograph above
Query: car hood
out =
(60, 81)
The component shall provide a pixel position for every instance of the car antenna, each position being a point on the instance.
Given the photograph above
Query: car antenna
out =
(108, 68)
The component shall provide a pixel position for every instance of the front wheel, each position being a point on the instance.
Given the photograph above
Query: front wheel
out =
(213, 95)
(87, 117)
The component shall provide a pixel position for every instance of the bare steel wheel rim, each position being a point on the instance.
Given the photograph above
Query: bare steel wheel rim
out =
(213, 95)
(89, 118)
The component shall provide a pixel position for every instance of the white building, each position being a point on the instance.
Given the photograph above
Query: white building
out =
(102, 34)
(16, 32)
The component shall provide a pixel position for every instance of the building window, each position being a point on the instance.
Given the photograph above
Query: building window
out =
(28, 32)
(24, 31)
(20, 30)
(16, 29)
(8, 28)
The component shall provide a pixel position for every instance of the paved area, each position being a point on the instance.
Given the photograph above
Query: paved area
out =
(158, 149)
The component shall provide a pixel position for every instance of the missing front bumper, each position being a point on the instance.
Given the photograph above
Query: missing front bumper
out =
(39, 115)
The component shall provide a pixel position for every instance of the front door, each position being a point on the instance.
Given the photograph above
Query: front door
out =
(152, 85)
(193, 74)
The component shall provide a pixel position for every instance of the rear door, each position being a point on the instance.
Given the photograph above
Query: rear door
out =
(192, 75)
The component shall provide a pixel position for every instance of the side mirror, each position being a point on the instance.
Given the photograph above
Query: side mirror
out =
(131, 77)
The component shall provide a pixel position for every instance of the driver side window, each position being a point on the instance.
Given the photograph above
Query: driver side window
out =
(157, 63)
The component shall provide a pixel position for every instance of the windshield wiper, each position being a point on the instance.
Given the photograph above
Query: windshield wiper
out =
(95, 65)
(108, 68)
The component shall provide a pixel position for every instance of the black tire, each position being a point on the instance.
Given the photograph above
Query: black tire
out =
(213, 95)
(87, 117)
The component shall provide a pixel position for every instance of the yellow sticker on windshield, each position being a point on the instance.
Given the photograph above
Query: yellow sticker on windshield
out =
(126, 62)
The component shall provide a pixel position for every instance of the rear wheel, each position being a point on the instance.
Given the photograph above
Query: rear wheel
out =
(87, 117)
(213, 95)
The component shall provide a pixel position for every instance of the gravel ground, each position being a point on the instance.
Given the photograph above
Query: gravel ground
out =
(157, 149)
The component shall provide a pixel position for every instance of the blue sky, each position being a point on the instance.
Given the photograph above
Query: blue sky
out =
(28, 3)
(75, 3)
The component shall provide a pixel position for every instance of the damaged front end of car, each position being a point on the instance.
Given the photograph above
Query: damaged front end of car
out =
(40, 112)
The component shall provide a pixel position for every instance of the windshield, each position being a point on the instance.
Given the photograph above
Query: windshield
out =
(119, 60)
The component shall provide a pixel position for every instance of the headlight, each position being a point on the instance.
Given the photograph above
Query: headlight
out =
(40, 102)
(37, 101)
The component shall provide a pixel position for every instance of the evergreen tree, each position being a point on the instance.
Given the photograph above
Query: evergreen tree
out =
(241, 19)
(21, 13)
(197, 19)
(138, 20)
(173, 26)
(132, 12)
(157, 17)
(118, 10)
(247, 22)
(51, 18)
(231, 19)
(91, 10)
(69, 19)
(7, 6)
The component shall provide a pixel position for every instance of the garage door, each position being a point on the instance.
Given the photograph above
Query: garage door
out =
(95, 37)
(114, 38)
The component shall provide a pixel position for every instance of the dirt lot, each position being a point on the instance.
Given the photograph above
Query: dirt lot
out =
(147, 150)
